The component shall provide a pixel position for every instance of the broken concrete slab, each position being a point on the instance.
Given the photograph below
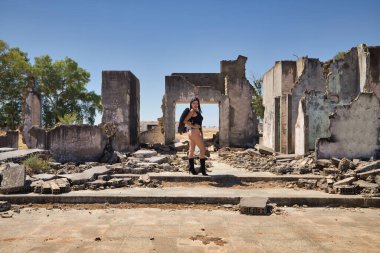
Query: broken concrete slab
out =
(142, 153)
(323, 162)
(7, 149)
(19, 154)
(364, 175)
(264, 150)
(365, 184)
(45, 177)
(87, 175)
(253, 206)
(157, 159)
(368, 167)
(346, 181)
(13, 178)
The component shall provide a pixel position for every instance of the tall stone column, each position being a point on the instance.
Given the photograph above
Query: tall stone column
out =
(121, 106)
(31, 111)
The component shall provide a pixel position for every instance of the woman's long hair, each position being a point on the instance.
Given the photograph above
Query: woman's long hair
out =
(199, 104)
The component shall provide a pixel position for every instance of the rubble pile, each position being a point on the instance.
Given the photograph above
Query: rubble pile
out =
(341, 176)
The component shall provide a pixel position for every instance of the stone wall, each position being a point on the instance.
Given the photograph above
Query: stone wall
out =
(354, 130)
(76, 143)
(121, 103)
(10, 140)
(344, 77)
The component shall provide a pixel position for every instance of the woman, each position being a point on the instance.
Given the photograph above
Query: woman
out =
(194, 121)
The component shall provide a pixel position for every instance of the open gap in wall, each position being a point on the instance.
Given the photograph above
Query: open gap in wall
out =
(210, 125)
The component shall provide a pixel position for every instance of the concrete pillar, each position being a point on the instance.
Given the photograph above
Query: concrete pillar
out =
(121, 103)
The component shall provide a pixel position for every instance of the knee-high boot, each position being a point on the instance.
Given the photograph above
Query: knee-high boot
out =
(191, 167)
(203, 166)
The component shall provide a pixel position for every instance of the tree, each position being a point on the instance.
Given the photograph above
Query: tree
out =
(62, 85)
(14, 73)
(257, 98)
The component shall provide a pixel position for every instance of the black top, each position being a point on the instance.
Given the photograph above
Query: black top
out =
(197, 119)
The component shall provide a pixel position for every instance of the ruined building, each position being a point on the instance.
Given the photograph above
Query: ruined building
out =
(230, 89)
(299, 97)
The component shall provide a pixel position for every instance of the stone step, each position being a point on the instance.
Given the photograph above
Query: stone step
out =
(195, 195)
(182, 177)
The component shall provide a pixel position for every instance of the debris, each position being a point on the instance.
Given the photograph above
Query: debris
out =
(5, 206)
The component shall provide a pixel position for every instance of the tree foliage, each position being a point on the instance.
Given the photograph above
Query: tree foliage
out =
(257, 98)
(14, 72)
(63, 87)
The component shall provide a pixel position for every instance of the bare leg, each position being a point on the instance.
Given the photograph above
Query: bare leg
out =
(191, 147)
(196, 138)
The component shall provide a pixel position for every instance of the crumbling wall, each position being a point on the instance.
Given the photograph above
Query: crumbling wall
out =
(344, 77)
(243, 121)
(277, 86)
(76, 143)
(354, 130)
(121, 103)
(312, 120)
(10, 140)
(310, 79)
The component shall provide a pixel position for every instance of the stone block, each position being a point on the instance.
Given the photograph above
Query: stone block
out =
(13, 178)
(253, 206)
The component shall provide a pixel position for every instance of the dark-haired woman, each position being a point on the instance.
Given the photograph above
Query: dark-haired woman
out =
(194, 121)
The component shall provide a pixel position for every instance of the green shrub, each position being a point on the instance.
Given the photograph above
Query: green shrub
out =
(35, 165)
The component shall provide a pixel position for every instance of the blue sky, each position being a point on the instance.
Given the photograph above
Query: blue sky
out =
(157, 38)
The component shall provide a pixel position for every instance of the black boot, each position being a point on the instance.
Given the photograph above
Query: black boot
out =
(191, 167)
(203, 166)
